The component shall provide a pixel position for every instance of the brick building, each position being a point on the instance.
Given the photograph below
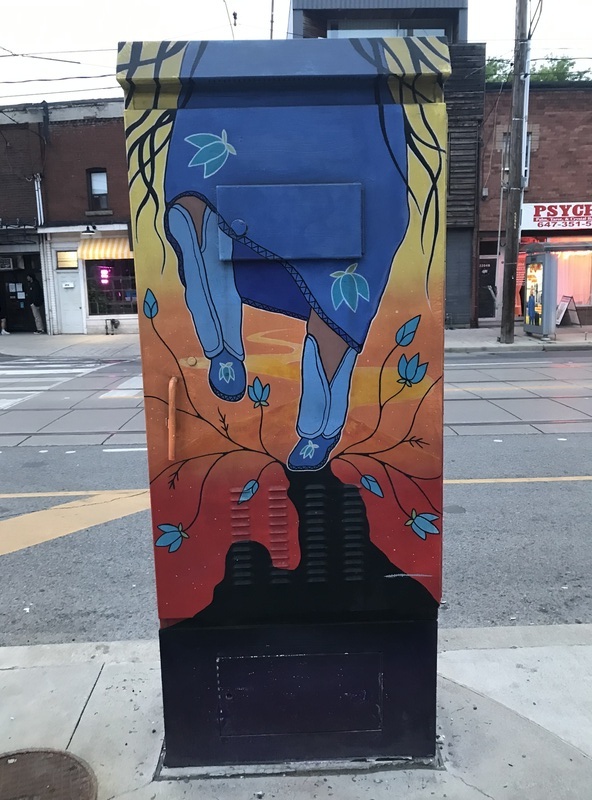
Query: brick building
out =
(21, 164)
(69, 195)
(557, 198)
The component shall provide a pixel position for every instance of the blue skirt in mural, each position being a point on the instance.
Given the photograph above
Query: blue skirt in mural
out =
(313, 198)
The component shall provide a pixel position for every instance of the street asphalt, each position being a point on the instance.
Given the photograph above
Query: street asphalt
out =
(78, 656)
(517, 550)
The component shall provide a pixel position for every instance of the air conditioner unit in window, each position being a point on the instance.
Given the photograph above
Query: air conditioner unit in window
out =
(6, 263)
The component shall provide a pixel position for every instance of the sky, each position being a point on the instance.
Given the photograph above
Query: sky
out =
(74, 39)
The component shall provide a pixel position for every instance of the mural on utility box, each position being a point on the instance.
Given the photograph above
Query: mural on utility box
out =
(290, 254)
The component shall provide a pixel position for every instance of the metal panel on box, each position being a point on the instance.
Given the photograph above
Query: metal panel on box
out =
(288, 203)
(289, 693)
(305, 221)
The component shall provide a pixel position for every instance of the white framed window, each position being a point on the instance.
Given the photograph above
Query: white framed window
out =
(98, 198)
(66, 259)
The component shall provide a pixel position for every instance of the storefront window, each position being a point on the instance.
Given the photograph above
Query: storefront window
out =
(574, 276)
(111, 285)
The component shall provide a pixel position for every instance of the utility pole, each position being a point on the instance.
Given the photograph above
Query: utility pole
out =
(517, 167)
(271, 26)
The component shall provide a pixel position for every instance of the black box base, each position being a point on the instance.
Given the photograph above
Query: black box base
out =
(267, 694)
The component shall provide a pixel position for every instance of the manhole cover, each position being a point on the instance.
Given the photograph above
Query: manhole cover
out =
(45, 775)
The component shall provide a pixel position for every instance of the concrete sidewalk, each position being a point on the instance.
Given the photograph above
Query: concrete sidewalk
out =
(126, 346)
(515, 722)
(120, 347)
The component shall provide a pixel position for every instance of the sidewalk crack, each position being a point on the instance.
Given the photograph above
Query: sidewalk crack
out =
(93, 687)
(472, 786)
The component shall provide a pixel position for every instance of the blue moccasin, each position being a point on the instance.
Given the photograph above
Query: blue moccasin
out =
(228, 377)
(311, 454)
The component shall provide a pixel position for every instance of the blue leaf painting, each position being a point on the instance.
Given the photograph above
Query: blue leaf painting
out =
(150, 304)
(420, 373)
(406, 333)
(202, 139)
(250, 488)
(167, 539)
(369, 482)
(336, 296)
(402, 369)
(422, 524)
(410, 370)
(362, 287)
(212, 166)
(176, 545)
(349, 291)
(412, 366)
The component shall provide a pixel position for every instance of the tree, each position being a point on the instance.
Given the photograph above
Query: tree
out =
(498, 70)
(553, 69)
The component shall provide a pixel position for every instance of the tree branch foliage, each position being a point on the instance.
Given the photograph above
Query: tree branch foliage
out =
(553, 69)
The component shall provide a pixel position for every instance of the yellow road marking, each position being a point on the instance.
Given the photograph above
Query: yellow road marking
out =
(94, 508)
(98, 507)
(83, 493)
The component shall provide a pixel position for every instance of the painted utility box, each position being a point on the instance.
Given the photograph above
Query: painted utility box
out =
(288, 201)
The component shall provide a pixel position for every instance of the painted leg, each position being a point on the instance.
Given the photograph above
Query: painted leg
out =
(211, 296)
(323, 403)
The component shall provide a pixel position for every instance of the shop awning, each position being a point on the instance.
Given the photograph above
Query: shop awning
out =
(93, 249)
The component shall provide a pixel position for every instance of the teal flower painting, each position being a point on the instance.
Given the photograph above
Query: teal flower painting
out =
(410, 370)
(226, 372)
(259, 393)
(172, 537)
(212, 151)
(422, 524)
(348, 287)
(308, 449)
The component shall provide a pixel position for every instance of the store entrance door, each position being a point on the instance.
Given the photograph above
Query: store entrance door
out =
(487, 287)
(19, 318)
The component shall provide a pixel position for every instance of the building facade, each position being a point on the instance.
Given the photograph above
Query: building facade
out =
(557, 207)
(464, 94)
(21, 164)
(68, 217)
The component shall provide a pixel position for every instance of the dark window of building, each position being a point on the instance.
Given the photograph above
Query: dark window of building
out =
(111, 286)
(97, 189)
(354, 27)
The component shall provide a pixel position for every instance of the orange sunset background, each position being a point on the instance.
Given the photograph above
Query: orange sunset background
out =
(410, 477)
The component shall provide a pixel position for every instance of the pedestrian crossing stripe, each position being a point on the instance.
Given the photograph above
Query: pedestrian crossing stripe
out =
(25, 379)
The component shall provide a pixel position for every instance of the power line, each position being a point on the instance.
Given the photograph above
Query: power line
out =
(534, 21)
(10, 54)
(62, 91)
(229, 20)
(12, 119)
(39, 58)
(64, 78)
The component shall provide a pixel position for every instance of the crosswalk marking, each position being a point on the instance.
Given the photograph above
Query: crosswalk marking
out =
(16, 397)
(25, 378)
(132, 388)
